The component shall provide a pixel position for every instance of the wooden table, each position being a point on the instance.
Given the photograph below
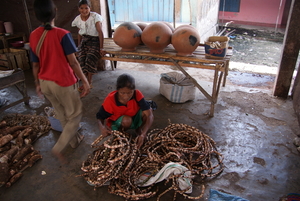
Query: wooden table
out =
(198, 60)
(16, 79)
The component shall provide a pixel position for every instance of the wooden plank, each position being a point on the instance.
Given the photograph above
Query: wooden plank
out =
(134, 60)
(14, 58)
(16, 77)
(19, 61)
(25, 100)
(142, 50)
(12, 62)
(3, 68)
(22, 61)
(3, 56)
(209, 97)
(166, 55)
(6, 50)
(207, 67)
(26, 64)
(4, 63)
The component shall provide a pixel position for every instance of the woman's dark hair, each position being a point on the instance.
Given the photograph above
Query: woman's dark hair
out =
(125, 80)
(45, 12)
(83, 2)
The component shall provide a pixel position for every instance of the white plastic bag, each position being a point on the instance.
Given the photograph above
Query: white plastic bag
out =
(171, 168)
(176, 87)
(6, 73)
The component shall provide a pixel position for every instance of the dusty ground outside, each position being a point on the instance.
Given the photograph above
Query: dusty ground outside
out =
(256, 55)
(257, 47)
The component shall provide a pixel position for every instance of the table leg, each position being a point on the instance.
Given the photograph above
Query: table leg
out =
(193, 80)
(215, 89)
(226, 72)
(113, 63)
(21, 86)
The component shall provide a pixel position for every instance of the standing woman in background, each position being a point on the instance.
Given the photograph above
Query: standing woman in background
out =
(55, 67)
(90, 39)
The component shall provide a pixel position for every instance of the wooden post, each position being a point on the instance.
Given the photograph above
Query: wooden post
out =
(296, 95)
(177, 11)
(97, 7)
(290, 52)
(27, 17)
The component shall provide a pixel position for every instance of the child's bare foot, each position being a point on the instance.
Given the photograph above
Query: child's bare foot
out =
(60, 157)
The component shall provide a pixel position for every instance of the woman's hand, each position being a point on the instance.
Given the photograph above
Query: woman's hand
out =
(105, 131)
(86, 90)
(140, 140)
(39, 91)
(102, 52)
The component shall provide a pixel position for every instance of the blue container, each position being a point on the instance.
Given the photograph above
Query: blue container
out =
(219, 53)
(216, 47)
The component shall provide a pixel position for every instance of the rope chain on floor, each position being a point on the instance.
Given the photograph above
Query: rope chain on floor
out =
(118, 160)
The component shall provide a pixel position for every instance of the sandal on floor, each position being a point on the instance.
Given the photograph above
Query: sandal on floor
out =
(79, 140)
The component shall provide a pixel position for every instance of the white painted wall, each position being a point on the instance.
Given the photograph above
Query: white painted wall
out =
(206, 18)
(202, 14)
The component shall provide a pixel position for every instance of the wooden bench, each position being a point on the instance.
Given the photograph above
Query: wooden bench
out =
(16, 79)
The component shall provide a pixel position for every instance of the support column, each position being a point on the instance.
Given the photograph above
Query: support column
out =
(289, 53)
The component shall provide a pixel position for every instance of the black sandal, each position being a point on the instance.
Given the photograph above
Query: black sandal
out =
(152, 104)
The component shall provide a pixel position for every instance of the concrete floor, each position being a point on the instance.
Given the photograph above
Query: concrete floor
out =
(253, 130)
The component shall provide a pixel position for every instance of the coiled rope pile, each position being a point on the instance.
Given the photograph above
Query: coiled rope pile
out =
(119, 161)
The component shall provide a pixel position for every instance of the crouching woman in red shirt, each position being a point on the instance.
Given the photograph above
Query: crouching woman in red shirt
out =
(125, 108)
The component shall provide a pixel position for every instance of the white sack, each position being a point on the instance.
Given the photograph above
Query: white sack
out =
(176, 87)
